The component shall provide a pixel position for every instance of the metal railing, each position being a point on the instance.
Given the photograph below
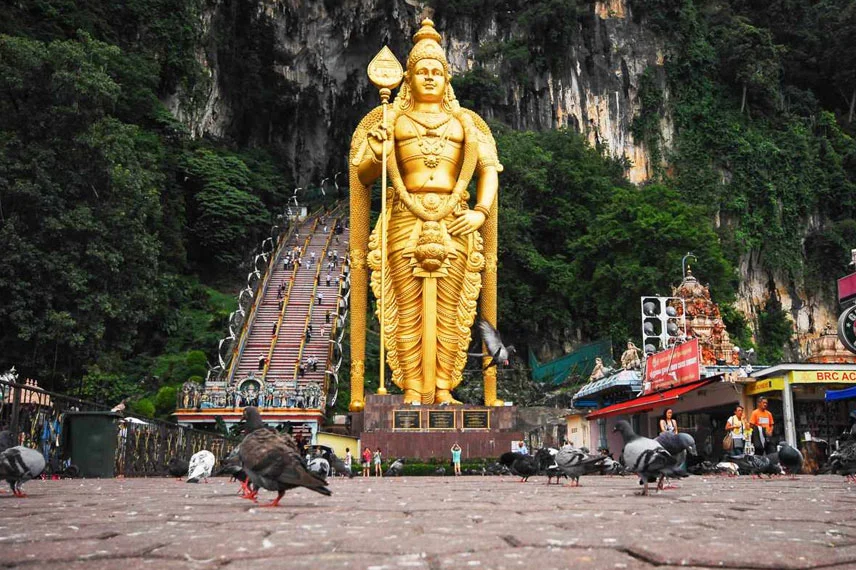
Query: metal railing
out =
(36, 419)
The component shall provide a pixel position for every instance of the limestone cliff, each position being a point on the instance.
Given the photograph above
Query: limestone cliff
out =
(309, 91)
(307, 96)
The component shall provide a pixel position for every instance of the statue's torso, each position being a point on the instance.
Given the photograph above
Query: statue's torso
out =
(430, 151)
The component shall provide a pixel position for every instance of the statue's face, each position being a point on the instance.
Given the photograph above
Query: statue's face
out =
(428, 82)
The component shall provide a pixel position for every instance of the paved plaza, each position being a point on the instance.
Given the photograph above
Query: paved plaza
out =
(433, 523)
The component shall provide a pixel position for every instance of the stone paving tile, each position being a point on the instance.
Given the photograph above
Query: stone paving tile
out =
(543, 559)
(335, 560)
(434, 523)
(69, 550)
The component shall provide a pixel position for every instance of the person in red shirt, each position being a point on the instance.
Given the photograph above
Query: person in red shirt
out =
(761, 421)
(367, 461)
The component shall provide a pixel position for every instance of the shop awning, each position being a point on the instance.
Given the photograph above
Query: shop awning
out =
(841, 394)
(630, 379)
(648, 402)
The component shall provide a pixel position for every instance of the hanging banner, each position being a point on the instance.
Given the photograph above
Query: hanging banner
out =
(673, 367)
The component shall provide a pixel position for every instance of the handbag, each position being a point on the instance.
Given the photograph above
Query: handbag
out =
(728, 442)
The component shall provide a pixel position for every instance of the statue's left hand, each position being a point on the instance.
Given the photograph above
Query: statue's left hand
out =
(467, 223)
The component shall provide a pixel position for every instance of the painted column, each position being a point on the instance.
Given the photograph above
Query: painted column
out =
(788, 411)
(601, 427)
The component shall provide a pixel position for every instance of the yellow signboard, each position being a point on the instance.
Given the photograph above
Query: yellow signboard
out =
(766, 385)
(823, 376)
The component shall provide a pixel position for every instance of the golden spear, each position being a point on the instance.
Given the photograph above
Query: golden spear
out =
(386, 74)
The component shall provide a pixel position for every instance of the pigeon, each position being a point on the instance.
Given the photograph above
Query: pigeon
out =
(610, 466)
(319, 466)
(524, 466)
(339, 466)
(575, 463)
(547, 463)
(644, 456)
(728, 468)
(758, 465)
(497, 469)
(790, 458)
(496, 351)
(396, 469)
(272, 460)
(232, 466)
(201, 466)
(678, 445)
(440, 471)
(177, 467)
(7, 440)
(843, 461)
(20, 464)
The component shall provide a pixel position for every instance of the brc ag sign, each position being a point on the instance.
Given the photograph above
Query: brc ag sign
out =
(673, 367)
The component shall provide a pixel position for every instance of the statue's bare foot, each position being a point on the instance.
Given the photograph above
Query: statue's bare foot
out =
(444, 397)
(412, 397)
(496, 403)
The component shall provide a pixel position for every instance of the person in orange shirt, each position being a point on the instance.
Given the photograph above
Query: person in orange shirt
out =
(761, 421)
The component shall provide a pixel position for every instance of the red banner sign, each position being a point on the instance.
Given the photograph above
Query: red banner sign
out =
(673, 367)
(847, 288)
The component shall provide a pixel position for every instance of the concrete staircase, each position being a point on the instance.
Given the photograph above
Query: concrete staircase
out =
(284, 350)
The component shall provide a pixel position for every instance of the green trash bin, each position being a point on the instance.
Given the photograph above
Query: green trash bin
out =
(91, 439)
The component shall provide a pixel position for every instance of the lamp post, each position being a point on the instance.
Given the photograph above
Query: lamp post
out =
(296, 203)
(336, 184)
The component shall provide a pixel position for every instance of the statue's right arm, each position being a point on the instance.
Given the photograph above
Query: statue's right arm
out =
(369, 168)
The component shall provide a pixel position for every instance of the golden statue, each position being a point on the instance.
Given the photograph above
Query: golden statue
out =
(438, 253)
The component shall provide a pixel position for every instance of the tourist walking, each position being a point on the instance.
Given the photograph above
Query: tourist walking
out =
(348, 460)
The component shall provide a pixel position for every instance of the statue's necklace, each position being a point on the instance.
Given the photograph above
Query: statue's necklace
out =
(432, 143)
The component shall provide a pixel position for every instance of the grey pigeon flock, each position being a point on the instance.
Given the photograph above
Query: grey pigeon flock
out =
(644, 456)
(18, 465)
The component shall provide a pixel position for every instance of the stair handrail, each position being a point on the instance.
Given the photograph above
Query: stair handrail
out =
(258, 297)
(334, 327)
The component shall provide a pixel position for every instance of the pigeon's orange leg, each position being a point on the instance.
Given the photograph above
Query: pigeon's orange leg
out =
(275, 502)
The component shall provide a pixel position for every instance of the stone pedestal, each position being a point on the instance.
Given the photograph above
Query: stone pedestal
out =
(425, 432)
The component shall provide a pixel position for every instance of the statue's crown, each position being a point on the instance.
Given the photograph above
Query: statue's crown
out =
(427, 46)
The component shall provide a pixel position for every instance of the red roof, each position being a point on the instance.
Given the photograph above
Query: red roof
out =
(648, 402)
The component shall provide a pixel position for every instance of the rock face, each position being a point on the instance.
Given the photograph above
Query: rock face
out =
(307, 93)
(291, 74)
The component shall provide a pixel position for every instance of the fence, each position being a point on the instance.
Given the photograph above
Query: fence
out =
(144, 446)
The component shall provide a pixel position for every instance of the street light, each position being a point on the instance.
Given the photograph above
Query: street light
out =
(336, 184)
